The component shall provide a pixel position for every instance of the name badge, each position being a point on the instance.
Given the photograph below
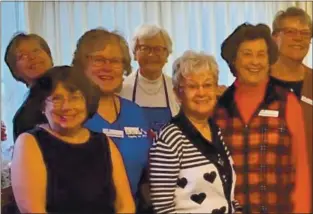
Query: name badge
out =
(307, 100)
(133, 132)
(113, 133)
(268, 113)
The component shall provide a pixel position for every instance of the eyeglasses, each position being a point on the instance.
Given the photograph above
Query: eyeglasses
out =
(58, 101)
(292, 32)
(159, 50)
(190, 87)
(99, 61)
(22, 56)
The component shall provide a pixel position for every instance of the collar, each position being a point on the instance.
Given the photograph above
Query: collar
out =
(227, 100)
(149, 86)
(210, 150)
(192, 132)
(145, 81)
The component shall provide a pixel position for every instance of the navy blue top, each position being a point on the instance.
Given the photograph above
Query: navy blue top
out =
(79, 176)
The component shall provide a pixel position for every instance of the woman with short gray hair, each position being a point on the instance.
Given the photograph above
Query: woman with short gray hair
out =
(149, 87)
(190, 167)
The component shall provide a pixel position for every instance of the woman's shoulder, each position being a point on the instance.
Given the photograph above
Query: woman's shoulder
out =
(129, 105)
(23, 110)
(28, 136)
(169, 81)
(26, 143)
(98, 136)
(167, 78)
(170, 132)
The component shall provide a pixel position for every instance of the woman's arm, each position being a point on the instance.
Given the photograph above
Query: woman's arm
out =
(124, 201)
(28, 175)
(164, 170)
(299, 152)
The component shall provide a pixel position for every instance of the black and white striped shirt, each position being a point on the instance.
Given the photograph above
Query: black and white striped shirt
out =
(190, 174)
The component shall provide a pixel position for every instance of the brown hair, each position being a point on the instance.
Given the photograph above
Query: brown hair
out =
(290, 12)
(247, 32)
(10, 52)
(46, 84)
(95, 39)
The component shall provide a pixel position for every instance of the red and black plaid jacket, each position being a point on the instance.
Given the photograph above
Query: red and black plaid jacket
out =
(261, 151)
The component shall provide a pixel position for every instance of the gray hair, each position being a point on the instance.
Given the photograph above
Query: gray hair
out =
(147, 31)
(192, 61)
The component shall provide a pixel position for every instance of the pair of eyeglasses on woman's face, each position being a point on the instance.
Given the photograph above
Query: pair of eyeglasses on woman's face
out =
(99, 61)
(293, 32)
(58, 100)
(23, 55)
(193, 87)
(159, 50)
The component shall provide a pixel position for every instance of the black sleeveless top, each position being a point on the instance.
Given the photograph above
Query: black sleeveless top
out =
(79, 176)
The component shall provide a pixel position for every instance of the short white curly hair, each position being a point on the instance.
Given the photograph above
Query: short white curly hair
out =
(147, 31)
(192, 61)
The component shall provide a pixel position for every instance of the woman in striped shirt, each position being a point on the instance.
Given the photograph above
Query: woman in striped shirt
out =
(190, 167)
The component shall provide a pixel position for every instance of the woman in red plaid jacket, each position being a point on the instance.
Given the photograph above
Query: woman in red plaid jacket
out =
(262, 127)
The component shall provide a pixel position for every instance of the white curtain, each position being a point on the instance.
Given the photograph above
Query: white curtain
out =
(13, 20)
(192, 25)
(308, 7)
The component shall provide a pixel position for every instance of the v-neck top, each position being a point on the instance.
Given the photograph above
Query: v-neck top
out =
(189, 173)
(132, 139)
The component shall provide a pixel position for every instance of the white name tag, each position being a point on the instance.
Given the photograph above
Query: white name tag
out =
(268, 113)
(133, 132)
(113, 133)
(307, 100)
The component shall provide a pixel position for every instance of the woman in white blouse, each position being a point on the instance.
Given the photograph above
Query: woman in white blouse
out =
(191, 170)
(149, 86)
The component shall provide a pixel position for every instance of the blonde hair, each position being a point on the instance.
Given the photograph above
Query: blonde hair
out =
(97, 39)
(291, 12)
(192, 61)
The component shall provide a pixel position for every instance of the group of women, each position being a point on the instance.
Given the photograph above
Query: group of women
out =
(96, 137)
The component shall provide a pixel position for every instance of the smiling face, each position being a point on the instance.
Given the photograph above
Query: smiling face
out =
(197, 93)
(252, 62)
(294, 38)
(31, 60)
(65, 110)
(151, 54)
(105, 68)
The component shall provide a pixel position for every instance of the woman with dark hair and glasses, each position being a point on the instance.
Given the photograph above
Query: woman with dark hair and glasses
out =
(263, 127)
(28, 57)
(60, 166)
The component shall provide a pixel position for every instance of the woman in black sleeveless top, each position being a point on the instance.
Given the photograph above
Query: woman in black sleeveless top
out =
(61, 167)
